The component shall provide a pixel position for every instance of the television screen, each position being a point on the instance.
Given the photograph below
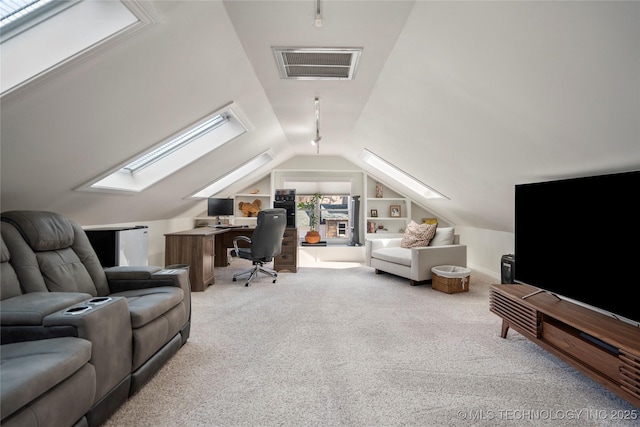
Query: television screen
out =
(572, 238)
(219, 207)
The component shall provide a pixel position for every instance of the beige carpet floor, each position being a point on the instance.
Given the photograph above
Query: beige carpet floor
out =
(346, 347)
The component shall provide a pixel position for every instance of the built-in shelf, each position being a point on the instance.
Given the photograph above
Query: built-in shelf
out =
(239, 218)
(378, 210)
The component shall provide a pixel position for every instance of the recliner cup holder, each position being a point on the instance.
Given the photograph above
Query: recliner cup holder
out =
(99, 300)
(74, 311)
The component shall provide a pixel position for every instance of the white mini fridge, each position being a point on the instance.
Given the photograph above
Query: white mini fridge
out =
(118, 246)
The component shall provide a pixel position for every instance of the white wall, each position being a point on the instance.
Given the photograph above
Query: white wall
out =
(485, 248)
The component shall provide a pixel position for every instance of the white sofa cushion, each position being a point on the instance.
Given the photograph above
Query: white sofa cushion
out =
(444, 236)
(395, 255)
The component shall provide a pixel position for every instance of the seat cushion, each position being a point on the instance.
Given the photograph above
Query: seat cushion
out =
(395, 255)
(30, 369)
(145, 305)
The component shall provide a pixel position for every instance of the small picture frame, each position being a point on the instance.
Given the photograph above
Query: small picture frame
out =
(394, 211)
(374, 213)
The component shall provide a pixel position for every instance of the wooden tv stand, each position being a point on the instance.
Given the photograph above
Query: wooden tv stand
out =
(605, 349)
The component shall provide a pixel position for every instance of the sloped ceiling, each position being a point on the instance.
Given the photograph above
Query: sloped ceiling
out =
(469, 97)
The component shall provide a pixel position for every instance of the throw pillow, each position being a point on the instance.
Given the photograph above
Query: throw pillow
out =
(444, 236)
(417, 235)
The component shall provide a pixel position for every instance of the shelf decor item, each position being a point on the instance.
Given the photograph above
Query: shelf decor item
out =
(250, 209)
(378, 190)
(394, 211)
(374, 213)
(311, 207)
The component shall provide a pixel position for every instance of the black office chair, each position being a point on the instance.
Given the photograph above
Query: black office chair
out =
(265, 243)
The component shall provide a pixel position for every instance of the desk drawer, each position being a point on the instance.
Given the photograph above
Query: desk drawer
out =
(290, 234)
(286, 267)
(287, 250)
(288, 258)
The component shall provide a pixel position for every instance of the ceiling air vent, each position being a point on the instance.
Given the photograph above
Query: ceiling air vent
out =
(317, 63)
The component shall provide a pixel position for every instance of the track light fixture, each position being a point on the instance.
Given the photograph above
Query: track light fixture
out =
(319, 18)
(316, 141)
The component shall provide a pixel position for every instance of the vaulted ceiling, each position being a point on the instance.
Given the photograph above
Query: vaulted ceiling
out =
(471, 98)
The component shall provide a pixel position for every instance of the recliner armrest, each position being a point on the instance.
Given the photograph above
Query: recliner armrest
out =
(121, 279)
(130, 272)
(30, 309)
(106, 322)
(23, 316)
(126, 278)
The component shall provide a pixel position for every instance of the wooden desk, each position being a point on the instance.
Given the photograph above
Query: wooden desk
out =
(196, 249)
(225, 241)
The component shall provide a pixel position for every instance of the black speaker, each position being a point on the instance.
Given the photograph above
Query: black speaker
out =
(290, 207)
(286, 199)
(508, 268)
(355, 221)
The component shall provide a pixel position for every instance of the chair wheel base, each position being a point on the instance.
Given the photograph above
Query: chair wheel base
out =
(254, 272)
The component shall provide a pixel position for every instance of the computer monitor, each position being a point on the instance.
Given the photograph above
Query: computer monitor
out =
(219, 207)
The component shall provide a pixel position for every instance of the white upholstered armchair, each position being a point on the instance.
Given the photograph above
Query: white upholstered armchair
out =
(386, 255)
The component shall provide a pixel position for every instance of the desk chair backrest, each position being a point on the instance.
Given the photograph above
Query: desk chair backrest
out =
(266, 240)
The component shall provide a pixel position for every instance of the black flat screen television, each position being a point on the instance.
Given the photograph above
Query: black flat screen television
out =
(219, 207)
(577, 238)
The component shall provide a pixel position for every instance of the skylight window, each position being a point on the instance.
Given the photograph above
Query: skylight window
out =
(233, 176)
(171, 154)
(400, 176)
(175, 144)
(42, 36)
(16, 12)
(12, 10)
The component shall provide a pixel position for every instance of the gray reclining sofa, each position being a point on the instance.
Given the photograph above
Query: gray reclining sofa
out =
(74, 332)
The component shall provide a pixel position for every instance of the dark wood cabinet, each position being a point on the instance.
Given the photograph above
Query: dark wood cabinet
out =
(225, 241)
(603, 348)
(195, 248)
(288, 258)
